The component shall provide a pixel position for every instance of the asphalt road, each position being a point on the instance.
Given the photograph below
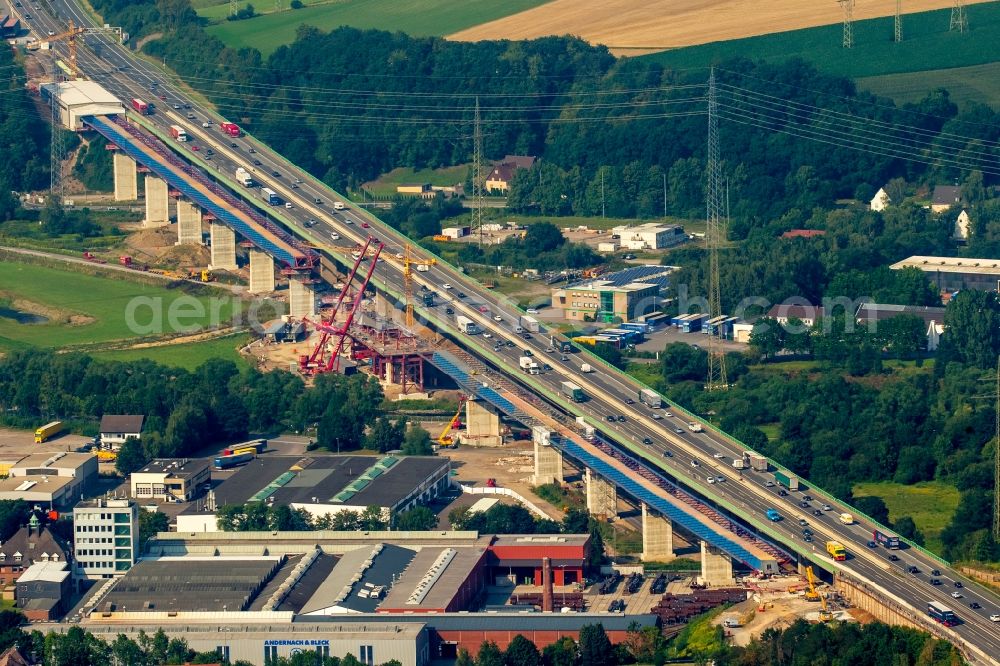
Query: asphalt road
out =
(127, 76)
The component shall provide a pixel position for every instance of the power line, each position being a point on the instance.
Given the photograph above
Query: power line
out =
(959, 21)
(717, 376)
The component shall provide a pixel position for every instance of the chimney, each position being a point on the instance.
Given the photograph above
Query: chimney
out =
(546, 585)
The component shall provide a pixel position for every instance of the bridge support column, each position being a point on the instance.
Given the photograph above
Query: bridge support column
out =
(188, 223)
(548, 459)
(602, 496)
(157, 202)
(657, 536)
(482, 424)
(126, 177)
(301, 297)
(261, 273)
(223, 247)
(716, 566)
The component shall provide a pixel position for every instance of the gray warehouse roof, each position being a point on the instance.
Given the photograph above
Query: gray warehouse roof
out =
(513, 622)
(357, 570)
(324, 477)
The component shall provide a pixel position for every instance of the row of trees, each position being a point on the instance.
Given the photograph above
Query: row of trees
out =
(258, 516)
(24, 138)
(186, 411)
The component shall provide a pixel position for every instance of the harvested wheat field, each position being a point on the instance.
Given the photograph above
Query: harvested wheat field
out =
(633, 27)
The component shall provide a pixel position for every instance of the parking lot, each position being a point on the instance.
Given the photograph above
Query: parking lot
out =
(15, 444)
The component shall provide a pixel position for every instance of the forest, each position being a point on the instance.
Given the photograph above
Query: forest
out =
(186, 411)
(352, 104)
(24, 139)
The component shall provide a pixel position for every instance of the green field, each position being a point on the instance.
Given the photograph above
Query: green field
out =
(419, 18)
(978, 83)
(188, 356)
(930, 504)
(103, 301)
(927, 45)
(386, 184)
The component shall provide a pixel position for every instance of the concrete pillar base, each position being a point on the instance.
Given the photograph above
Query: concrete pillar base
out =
(126, 177)
(657, 537)
(301, 298)
(602, 496)
(261, 273)
(223, 247)
(157, 202)
(188, 223)
(716, 566)
(548, 459)
(482, 425)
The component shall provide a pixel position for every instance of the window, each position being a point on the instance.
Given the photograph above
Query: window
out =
(223, 651)
(367, 655)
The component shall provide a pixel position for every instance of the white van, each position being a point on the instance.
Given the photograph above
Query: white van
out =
(338, 205)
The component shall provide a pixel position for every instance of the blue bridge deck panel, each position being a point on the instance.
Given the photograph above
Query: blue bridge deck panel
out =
(263, 239)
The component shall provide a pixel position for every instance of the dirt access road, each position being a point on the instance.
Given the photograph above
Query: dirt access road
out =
(633, 27)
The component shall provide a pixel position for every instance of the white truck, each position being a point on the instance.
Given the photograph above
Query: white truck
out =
(528, 323)
(586, 368)
(757, 462)
(244, 177)
(739, 463)
(529, 365)
(339, 205)
(466, 325)
(651, 398)
(694, 426)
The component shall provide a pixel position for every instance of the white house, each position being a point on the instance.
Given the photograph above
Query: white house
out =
(807, 314)
(880, 201)
(962, 224)
(650, 236)
(115, 429)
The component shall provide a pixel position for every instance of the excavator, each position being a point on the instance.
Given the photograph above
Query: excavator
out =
(812, 595)
(445, 440)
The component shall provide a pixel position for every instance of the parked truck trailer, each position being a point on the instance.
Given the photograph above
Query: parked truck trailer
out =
(48, 431)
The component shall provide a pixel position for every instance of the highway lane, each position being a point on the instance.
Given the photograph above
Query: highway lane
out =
(608, 390)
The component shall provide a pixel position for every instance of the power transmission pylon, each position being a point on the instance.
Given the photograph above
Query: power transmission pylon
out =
(279, 5)
(848, 7)
(477, 176)
(959, 20)
(898, 23)
(233, 8)
(717, 379)
(57, 151)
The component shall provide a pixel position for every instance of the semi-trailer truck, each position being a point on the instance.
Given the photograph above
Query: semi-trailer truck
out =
(651, 398)
(243, 176)
(789, 481)
(466, 325)
(573, 392)
(528, 323)
(232, 129)
(48, 431)
(529, 365)
(270, 196)
(140, 106)
(886, 539)
(179, 133)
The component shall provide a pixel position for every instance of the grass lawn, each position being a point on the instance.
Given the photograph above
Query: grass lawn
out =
(978, 83)
(188, 356)
(386, 184)
(772, 430)
(930, 504)
(419, 18)
(927, 45)
(101, 301)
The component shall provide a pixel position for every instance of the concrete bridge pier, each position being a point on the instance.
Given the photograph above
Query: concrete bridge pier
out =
(657, 536)
(223, 247)
(482, 424)
(548, 459)
(602, 496)
(126, 177)
(261, 272)
(716, 566)
(188, 223)
(157, 202)
(301, 297)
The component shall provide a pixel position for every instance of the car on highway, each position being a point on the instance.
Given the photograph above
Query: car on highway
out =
(803, 522)
(808, 498)
(195, 147)
(365, 225)
(233, 145)
(446, 285)
(657, 417)
(288, 204)
(310, 223)
(957, 595)
(526, 336)
(827, 507)
(783, 492)
(629, 401)
(206, 124)
(804, 504)
(817, 512)
(958, 583)
(647, 441)
(621, 419)
(256, 162)
(893, 557)
(449, 311)
(695, 463)
(912, 569)
(935, 572)
(872, 544)
(550, 350)
(769, 484)
(209, 151)
(718, 456)
(487, 334)
(509, 343)
(190, 116)
(668, 415)
(679, 431)
(497, 318)
(995, 617)
(335, 237)
(564, 358)
(177, 107)
(807, 538)
(934, 581)
(975, 605)
(720, 479)
(668, 454)
(711, 480)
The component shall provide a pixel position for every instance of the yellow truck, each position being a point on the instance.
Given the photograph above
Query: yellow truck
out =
(47, 432)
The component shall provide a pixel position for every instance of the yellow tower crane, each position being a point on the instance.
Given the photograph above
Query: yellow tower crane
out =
(407, 260)
(72, 32)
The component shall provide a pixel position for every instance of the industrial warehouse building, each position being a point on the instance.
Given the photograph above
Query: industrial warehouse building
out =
(49, 479)
(951, 274)
(650, 236)
(77, 99)
(624, 295)
(326, 484)
(379, 595)
(171, 479)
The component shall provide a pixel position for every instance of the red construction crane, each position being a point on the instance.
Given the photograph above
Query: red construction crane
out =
(314, 363)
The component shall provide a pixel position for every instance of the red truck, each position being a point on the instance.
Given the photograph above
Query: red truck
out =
(140, 106)
(232, 129)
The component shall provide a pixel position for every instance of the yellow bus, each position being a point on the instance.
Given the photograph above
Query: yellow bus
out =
(46, 432)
